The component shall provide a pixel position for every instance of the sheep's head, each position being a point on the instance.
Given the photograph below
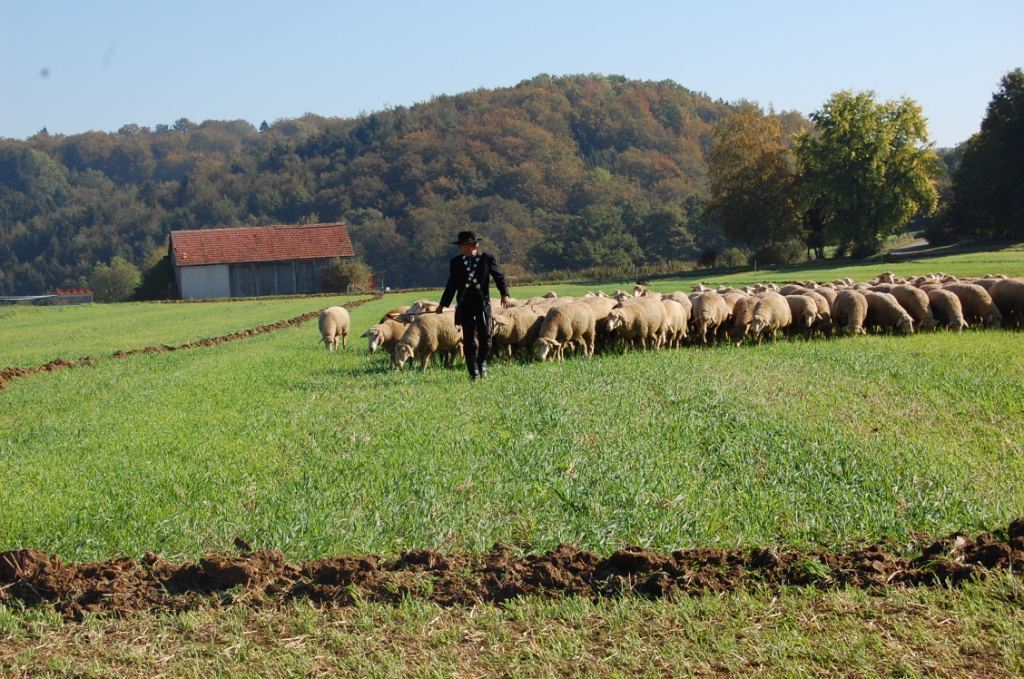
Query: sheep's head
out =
(543, 348)
(375, 339)
(403, 352)
(928, 324)
(614, 320)
(757, 325)
(905, 325)
(738, 334)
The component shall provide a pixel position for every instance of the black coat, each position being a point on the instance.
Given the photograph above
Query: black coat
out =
(461, 288)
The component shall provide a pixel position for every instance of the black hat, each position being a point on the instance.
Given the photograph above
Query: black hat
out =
(466, 237)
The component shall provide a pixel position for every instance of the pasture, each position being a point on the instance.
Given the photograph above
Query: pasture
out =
(274, 440)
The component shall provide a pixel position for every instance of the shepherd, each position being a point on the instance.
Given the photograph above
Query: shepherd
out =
(469, 283)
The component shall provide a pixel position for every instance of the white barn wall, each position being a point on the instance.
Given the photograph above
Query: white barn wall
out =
(204, 282)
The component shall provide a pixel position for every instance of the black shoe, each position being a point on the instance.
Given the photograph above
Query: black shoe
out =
(472, 377)
(483, 370)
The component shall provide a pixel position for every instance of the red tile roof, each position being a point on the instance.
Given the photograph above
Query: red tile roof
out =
(260, 244)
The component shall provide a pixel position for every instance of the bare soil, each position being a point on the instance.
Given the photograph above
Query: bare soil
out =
(12, 372)
(264, 578)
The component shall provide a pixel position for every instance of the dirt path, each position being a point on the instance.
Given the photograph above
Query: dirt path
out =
(12, 372)
(122, 586)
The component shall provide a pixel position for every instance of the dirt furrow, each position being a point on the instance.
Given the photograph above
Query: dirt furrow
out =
(123, 586)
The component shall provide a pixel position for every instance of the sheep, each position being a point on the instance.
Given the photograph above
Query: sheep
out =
(640, 321)
(1008, 296)
(915, 301)
(385, 335)
(562, 325)
(742, 316)
(823, 324)
(977, 304)
(829, 293)
(601, 306)
(886, 313)
(770, 315)
(676, 320)
(709, 312)
(850, 311)
(517, 327)
(804, 311)
(334, 322)
(792, 289)
(394, 314)
(700, 288)
(946, 309)
(418, 308)
(429, 334)
(683, 299)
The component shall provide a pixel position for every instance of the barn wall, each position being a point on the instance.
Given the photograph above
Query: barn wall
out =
(204, 282)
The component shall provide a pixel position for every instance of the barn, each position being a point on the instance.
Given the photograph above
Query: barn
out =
(255, 261)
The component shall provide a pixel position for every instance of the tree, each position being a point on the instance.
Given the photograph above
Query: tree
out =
(753, 185)
(346, 275)
(115, 282)
(868, 167)
(988, 185)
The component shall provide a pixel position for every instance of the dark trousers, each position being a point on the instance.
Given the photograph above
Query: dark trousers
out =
(475, 319)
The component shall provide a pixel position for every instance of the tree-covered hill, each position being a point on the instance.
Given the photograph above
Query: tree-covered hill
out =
(557, 173)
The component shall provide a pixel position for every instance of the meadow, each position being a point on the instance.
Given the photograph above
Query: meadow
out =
(272, 439)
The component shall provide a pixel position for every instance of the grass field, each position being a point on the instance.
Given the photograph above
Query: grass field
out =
(31, 335)
(277, 441)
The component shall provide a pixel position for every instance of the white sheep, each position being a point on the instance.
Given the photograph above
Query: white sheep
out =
(334, 322)
(565, 326)
(429, 334)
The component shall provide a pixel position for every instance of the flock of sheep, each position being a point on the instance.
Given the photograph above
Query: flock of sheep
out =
(551, 326)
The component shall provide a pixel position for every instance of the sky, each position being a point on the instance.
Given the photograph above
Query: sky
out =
(98, 64)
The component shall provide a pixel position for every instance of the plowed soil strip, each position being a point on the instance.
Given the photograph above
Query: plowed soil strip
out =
(123, 586)
(12, 372)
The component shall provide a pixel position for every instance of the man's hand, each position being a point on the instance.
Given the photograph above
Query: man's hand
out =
(506, 302)
(439, 310)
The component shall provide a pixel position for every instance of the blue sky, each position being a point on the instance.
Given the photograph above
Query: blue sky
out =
(76, 66)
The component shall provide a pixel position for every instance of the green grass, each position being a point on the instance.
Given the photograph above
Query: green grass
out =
(276, 440)
(34, 335)
(977, 631)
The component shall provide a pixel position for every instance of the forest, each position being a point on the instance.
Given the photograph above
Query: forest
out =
(558, 174)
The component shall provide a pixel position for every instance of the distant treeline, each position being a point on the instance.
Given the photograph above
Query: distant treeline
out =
(571, 173)
(559, 173)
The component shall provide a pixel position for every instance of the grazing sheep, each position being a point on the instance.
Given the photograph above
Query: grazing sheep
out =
(792, 289)
(517, 327)
(986, 282)
(915, 301)
(385, 335)
(946, 309)
(683, 299)
(804, 312)
(570, 324)
(334, 322)
(676, 320)
(849, 312)
(394, 314)
(419, 308)
(771, 315)
(429, 334)
(742, 316)
(1008, 296)
(882, 287)
(709, 312)
(829, 293)
(640, 321)
(823, 324)
(977, 304)
(885, 312)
